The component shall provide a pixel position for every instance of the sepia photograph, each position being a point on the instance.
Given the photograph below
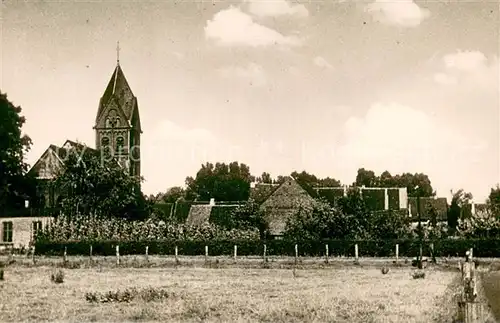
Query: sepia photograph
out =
(250, 161)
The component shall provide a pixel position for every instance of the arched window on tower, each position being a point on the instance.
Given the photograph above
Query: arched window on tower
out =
(108, 123)
(120, 144)
(105, 146)
(104, 141)
(117, 122)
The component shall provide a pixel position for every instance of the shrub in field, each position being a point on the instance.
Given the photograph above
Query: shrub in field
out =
(1, 274)
(418, 274)
(147, 295)
(57, 277)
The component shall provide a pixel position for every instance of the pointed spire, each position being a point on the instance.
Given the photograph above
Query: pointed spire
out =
(118, 53)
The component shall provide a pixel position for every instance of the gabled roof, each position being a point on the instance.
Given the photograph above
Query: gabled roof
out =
(262, 191)
(60, 154)
(119, 90)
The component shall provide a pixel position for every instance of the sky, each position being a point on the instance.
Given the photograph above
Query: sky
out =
(322, 86)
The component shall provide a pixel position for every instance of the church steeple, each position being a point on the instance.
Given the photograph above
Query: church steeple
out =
(117, 123)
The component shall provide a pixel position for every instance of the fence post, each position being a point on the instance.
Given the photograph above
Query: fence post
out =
(296, 253)
(235, 252)
(206, 253)
(326, 253)
(176, 255)
(356, 252)
(90, 253)
(147, 253)
(65, 255)
(33, 255)
(433, 257)
(117, 254)
(265, 251)
(397, 252)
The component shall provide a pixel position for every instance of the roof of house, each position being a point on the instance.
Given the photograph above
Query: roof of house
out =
(60, 154)
(262, 191)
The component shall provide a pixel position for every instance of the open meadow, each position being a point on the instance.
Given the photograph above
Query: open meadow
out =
(227, 294)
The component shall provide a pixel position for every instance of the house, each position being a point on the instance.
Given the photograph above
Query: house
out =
(280, 201)
(49, 166)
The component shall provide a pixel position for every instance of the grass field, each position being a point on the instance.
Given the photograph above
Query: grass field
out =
(336, 294)
(491, 285)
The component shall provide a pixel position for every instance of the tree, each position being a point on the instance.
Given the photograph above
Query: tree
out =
(265, 178)
(280, 179)
(353, 207)
(322, 221)
(493, 201)
(250, 215)
(89, 182)
(305, 178)
(458, 200)
(15, 187)
(410, 181)
(223, 182)
(366, 178)
(172, 194)
(329, 182)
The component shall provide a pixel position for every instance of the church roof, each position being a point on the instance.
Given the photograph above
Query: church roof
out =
(119, 90)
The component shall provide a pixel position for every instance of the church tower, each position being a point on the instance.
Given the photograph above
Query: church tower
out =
(117, 124)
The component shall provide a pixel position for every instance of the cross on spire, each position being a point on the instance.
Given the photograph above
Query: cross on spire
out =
(118, 52)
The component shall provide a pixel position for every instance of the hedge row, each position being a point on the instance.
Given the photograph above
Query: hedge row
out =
(442, 248)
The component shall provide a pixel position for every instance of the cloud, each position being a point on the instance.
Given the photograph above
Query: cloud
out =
(322, 62)
(234, 27)
(465, 60)
(400, 139)
(276, 8)
(471, 68)
(252, 73)
(445, 79)
(404, 13)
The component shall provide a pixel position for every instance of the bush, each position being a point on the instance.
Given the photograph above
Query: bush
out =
(1, 274)
(148, 295)
(57, 277)
(418, 274)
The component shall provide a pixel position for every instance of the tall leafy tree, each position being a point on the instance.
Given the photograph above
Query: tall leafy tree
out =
(90, 182)
(416, 184)
(223, 182)
(366, 178)
(494, 201)
(171, 195)
(265, 178)
(458, 200)
(15, 187)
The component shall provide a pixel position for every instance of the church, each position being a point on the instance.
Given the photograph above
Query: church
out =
(118, 132)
